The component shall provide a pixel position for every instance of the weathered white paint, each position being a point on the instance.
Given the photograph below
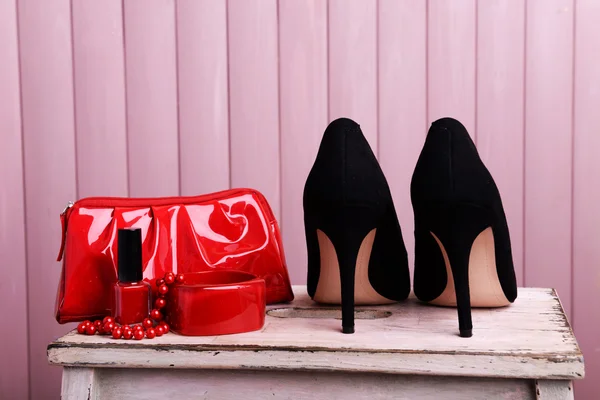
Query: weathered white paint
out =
(79, 384)
(528, 340)
(349, 361)
(553, 390)
(225, 385)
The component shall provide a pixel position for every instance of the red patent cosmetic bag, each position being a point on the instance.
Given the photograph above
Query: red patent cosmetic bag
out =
(229, 230)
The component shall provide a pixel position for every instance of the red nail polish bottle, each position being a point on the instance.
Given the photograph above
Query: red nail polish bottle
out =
(132, 295)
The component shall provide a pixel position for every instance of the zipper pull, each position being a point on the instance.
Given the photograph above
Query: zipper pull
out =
(69, 205)
(63, 222)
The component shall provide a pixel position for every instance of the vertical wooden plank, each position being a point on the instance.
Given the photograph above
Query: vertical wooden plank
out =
(254, 97)
(500, 111)
(353, 64)
(402, 101)
(49, 156)
(151, 79)
(303, 69)
(586, 196)
(99, 74)
(451, 61)
(14, 381)
(548, 123)
(80, 383)
(553, 390)
(203, 101)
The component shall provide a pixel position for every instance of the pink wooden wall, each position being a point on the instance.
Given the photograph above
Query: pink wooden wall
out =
(164, 97)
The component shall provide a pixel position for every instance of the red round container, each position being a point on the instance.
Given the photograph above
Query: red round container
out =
(216, 303)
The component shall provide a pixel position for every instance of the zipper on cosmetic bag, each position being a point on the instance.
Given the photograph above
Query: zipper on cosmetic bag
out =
(136, 202)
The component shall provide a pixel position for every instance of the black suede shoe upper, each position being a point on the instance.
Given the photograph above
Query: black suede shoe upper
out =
(346, 175)
(449, 171)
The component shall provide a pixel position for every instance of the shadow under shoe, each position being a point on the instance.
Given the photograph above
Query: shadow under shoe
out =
(356, 253)
(463, 255)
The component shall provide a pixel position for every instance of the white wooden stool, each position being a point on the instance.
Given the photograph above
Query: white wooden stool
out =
(402, 351)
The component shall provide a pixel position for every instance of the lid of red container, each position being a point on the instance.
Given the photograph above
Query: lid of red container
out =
(129, 250)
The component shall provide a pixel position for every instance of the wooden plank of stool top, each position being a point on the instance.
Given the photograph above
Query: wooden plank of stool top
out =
(528, 339)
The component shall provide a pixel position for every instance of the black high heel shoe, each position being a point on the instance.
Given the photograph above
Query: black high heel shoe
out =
(356, 254)
(462, 245)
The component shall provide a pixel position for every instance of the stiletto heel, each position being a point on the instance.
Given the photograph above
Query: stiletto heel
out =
(458, 257)
(347, 282)
(462, 245)
(346, 246)
(356, 254)
(341, 234)
(455, 227)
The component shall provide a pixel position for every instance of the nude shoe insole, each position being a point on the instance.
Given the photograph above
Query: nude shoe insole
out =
(329, 286)
(484, 285)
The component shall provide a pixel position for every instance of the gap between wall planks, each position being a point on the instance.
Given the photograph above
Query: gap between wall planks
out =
(451, 79)
(203, 96)
(100, 109)
(13, 286)
(184, 97)
(151, 84)
(402, 31)
(303, 108)
(352, 69)
(46, 65)
(500, 111)
(254, 97)
(548, 150)
(586, 196)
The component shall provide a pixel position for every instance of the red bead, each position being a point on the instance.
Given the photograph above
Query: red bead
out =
(180, 278)
(81, 328)
(138, 334)
(138, 327)
(169, 278)
(156, 315)
(86, 322)
(90, 329)
(127, 334)
(107, 319)
(160, 282)
(108, 327)
(117, 333)
(160, 303)
(159, 330)
(150, 333)
(147, 323)
(165, 327)
(163, 289)
(98, 324)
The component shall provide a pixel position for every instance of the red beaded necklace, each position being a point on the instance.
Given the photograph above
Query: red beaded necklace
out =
(150, 328)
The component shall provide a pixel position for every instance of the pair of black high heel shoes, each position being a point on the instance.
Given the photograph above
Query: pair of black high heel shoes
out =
(356, 254)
